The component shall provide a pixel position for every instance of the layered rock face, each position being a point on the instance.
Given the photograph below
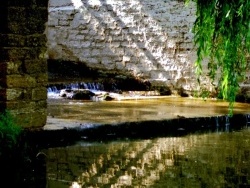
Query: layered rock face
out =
(149, 39)
(23, 68)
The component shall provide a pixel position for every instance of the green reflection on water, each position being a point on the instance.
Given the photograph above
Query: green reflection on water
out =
(215, 159)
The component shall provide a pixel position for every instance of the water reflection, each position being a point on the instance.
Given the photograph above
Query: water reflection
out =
(214, 159)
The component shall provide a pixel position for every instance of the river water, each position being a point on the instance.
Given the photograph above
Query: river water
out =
(214, 158)
(73, 113)
(218, 158)
(207, 158)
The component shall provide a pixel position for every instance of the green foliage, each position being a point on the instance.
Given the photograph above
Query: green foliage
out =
(222, 33)
(9, 132)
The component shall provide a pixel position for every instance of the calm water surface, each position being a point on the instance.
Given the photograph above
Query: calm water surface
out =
(212, 159)
(79, 112)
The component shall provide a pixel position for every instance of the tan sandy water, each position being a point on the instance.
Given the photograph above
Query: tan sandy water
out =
(65, 113)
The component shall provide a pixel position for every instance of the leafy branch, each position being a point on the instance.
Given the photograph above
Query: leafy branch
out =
(222, 34)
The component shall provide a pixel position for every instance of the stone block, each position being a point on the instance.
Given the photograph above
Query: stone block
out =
(17, 54)
(96, 53)
(26, 3)
(39, 94)
(16, 13)
(61, 3)
(52, 34)
(18, 105)
(92, 61)
(14, 94)
(53, 19)
(120, 65)
(36, 66)
(119, 51)
(20, 81)
(63, 23)
(34, 22)
(85, 44)
(107, 52)
(16, 27)
(42, 79)
(10, 40)
(31, 119)
(26, 105)
(35, 40)
(79, 37)
(126, 58)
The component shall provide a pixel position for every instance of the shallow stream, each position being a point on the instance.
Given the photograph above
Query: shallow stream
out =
(73, 113)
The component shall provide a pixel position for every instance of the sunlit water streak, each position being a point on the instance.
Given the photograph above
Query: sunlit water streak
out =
(214, 159)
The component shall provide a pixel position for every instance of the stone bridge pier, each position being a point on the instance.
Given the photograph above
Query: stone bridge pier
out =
(23, 63)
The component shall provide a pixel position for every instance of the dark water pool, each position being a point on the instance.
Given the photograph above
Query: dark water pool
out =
(218, 158)
(212, 159)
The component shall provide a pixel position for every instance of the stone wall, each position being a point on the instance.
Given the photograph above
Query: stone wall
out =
(149, 39)
(23, 68)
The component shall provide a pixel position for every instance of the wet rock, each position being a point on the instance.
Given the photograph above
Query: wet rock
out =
(108, 98)
(66, 93)
(82, 94)
(78, 94)
(105, 97)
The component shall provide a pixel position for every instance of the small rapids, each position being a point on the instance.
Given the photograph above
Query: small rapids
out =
(94, 92)
(54, 90)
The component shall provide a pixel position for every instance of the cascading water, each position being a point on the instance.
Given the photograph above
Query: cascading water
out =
(96, 91)
(54, 91)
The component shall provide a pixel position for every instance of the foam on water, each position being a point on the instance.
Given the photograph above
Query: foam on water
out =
(53, 91)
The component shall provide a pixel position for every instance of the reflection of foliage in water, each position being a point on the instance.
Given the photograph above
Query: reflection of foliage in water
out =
(206, 160)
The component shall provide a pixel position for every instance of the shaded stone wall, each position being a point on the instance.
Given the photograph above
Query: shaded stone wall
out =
(149, 39)
(23, 67)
